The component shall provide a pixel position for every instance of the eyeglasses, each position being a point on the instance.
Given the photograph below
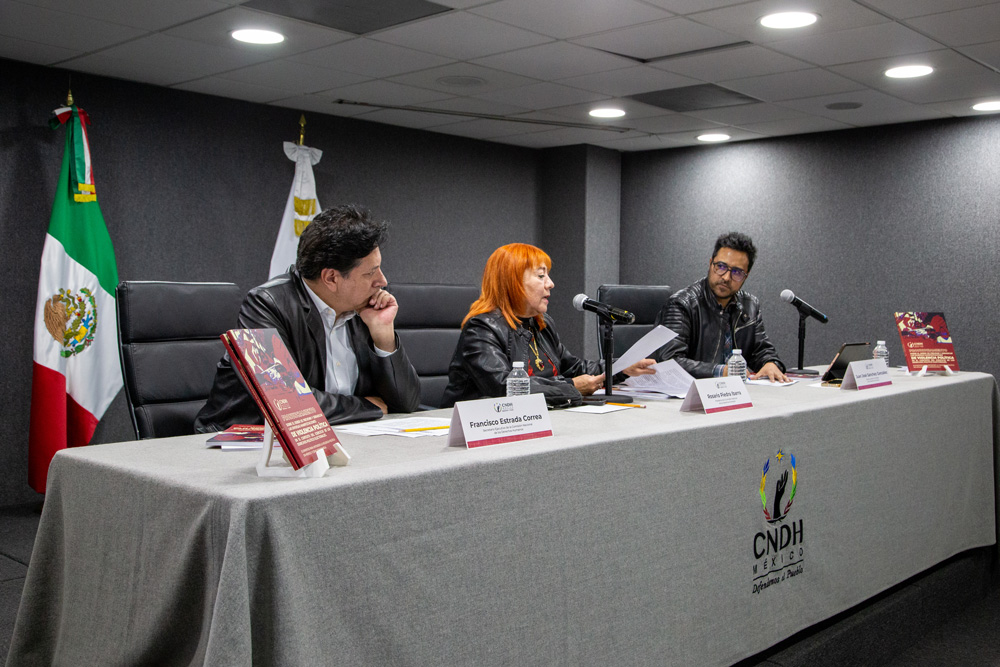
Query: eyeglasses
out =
(721, 269)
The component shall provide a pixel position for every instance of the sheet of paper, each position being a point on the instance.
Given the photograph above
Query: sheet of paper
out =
(669, 379)
(645, 346)
(400, 427)
(767, 383)
(597, 409)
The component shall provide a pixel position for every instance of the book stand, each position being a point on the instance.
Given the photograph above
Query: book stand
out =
(923, 371)
(317, 468)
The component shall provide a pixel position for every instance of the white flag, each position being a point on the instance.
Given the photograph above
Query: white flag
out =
(301, 207)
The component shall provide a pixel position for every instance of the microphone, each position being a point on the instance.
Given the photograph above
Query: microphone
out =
(582, 302)
(804, 308)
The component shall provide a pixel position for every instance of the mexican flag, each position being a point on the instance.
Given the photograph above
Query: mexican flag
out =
(301, 207)
(76, 372)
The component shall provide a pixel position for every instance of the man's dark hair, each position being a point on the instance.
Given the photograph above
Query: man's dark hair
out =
(338, 238)
(738, 242)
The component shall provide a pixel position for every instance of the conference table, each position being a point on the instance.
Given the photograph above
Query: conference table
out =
(638, 537)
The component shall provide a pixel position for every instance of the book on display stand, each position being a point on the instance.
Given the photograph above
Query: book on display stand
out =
(927, 343)
(292, 417)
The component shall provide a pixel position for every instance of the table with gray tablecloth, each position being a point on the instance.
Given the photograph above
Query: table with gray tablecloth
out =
(631, 538)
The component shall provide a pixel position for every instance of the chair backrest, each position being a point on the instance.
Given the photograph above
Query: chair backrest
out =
(644, 301)
(169, 344)
(429, 323)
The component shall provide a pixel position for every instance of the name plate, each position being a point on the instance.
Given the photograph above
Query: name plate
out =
(716, 395)
(495, 421)
(866, 374)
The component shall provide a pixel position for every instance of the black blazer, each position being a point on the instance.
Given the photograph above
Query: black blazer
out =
(284, 304)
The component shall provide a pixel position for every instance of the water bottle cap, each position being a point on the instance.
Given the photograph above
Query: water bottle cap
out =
(518, 364)
(737, 350)
(881, 342)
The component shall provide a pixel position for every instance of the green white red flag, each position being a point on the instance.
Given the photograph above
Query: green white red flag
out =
(301, 207)
(76, 373)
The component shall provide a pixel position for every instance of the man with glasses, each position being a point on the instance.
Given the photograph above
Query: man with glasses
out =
(714, 315)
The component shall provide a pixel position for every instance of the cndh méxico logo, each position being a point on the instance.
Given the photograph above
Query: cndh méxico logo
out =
(777, 512)
(778, 550)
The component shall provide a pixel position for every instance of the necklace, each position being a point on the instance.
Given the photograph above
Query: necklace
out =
(534, 348)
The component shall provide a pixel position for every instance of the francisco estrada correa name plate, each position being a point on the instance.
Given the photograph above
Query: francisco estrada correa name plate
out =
(495, 421)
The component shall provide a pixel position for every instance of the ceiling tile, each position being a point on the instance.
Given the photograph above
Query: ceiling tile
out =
(878, 41)
(384, 92)
(746, 113)
(691, 138)
(804, 125)
(555, 60)
(542, 96)
(405, 118)
(34, 52)
(144, 14)
(662, 38)
(675, 122)
(319, 104)
(492, 79)
(486, 128)
(371, 58)
(79, 34)
(988, 53)
(472, 105)
(964, 107)
(580, 113)
(877, 108)
(735, 63)
(650, 142)
(962, 27)
(629, 81)
(790, 85)
(460, 35)
(294, 77)
(165, 60)
(563, 20)
(904, 9)
(237, 90)
(299, 36)
(742, 20)
(954, 77)
(692, 6)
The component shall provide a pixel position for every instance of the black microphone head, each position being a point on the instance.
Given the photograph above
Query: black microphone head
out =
(579, 300)
(627, 317)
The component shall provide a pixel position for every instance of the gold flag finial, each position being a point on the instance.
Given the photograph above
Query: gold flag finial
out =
(302, 130)
(69, 97)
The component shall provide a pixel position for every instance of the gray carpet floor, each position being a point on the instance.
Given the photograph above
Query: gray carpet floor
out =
(950, 617)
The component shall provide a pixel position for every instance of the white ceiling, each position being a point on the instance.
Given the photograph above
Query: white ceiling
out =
(547, 61)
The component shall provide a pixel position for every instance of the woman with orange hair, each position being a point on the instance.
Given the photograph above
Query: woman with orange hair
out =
(508, 323)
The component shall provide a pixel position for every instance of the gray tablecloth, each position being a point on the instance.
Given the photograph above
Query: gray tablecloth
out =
(631, 538)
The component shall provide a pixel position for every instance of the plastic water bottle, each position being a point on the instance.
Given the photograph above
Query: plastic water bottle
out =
(737, 365)
(518, 383)
(881, 352)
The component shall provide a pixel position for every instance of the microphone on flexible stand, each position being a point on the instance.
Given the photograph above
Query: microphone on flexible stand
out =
(608, 316)
(805, 311)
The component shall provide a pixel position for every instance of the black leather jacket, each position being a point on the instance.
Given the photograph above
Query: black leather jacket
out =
(487, 349)
(694, 314)
(284, 304)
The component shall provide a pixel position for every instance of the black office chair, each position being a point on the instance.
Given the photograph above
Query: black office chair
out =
(169, 345)
(429, 323)
(644, 301)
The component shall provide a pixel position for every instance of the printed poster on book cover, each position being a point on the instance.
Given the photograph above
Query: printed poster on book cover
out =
(926, 341)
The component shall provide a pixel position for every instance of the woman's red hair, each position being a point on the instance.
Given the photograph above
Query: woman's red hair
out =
(503, 282)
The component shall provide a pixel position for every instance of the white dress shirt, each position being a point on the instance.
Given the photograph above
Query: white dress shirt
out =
(341, 362)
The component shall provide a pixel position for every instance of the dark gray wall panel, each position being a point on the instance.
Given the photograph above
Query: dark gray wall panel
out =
(193, 187)
(859, 223)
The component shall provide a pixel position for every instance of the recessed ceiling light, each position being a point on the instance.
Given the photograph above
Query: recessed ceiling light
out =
(607, 113)
(908, 71)
(253, 36)
(714, 137)
(993, 105)
(788, 20)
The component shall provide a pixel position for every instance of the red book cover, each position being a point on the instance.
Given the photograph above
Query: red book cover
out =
(240, 433)
(283, 396)
(926, 341)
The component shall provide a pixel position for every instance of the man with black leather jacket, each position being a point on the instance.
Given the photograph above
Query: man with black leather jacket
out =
(714, 316)
(337, 322)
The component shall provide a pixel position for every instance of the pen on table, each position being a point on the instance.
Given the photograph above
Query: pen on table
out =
(424, 428)
(626, 405)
